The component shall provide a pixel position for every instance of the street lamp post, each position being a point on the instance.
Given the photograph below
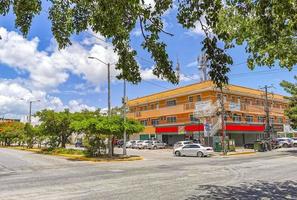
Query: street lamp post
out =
(30, 110)
(124, 117)
(109, 99)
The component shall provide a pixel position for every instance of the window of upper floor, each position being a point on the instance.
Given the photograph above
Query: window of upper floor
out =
(144, 122)
(236, 118)
(155, 122)
(249, 119)
(194, 119)
(261, 119)
(171, 119)
(171, 102)
(199, 98)
(280, 120)
(271, 120)
(191, 99)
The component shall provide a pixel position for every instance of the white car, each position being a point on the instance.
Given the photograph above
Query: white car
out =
(285, 142)
(182, 143)
(193, 150)
(294, 142)
(143, 144)
(156, 144)
(130, 143)
(136, 143)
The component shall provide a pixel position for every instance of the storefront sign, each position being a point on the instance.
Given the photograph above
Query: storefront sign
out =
(181, 130)
(234, 106)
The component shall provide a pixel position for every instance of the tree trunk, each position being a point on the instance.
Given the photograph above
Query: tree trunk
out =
(63, 141)
(109, 146)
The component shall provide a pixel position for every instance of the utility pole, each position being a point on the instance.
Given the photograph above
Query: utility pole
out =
(267, 114)
(202, 66)
(124, 119)
(223, 121)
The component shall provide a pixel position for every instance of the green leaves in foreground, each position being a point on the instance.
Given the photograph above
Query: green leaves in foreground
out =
(291, 111)
(267, 29)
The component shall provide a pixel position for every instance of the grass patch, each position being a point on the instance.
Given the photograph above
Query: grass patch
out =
(77, 154)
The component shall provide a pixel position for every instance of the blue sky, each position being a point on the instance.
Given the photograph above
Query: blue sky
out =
(33, 67)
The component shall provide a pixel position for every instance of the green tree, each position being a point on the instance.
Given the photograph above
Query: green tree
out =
(291, 111)
(31, 135)
(56, 125)
(114, 127)
(86, 123)
(11, 132)
(268, 29)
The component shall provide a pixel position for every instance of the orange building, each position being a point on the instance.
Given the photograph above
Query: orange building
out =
(193, 112)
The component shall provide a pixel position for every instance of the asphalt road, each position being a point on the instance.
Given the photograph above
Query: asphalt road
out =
(272, 175)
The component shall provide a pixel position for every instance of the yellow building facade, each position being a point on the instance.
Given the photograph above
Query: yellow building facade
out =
(180, 114)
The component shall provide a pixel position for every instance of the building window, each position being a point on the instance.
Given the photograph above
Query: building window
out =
(236, 118)
(261, 119)
(249, 119)
(194, 119)
(163, 118)
(155, 122)
(143, 122)
(171, 119)
(171, 103)
(271, 120)
(191, 99)
(198, 98)
(280, 120)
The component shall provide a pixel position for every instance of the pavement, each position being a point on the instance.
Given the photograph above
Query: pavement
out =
(160, 175)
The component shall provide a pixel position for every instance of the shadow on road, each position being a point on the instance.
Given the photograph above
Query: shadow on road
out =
(258, 190)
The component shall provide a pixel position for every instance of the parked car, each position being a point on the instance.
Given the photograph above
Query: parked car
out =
(294, 142)
(156, 144)
(120, 143)
(130, 143)
(193, 150)
(78, 144)
(182, 143)
(143, 144)
(285, 142)
(136, 143)
(249, 146)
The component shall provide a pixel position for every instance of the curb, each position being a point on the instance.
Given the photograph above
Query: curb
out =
(80, 157)
(240, 153)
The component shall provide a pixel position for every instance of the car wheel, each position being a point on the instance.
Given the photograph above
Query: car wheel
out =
(295, 145)
(200, 154)
(177, 153)
(155, 147)
(285, 145)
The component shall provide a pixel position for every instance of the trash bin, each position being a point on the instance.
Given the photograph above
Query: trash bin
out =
(218, 147)
(259, 146)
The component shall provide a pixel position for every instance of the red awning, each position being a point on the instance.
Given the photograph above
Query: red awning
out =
(167, 129)
(243, 127)
(174, 129)
(195, 127)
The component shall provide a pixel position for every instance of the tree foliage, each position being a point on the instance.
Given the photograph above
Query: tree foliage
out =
(268, 29)
(291, 112)
(10, 132)
(56, 125)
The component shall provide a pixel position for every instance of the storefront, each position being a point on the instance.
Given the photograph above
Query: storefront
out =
(173, 134)
(245, 133)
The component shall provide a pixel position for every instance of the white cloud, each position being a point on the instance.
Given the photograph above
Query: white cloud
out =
(76, 106)
(48, 69)
(192, 64)
(15, 97)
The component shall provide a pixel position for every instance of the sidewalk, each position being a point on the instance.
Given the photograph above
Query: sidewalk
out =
(238, 151)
